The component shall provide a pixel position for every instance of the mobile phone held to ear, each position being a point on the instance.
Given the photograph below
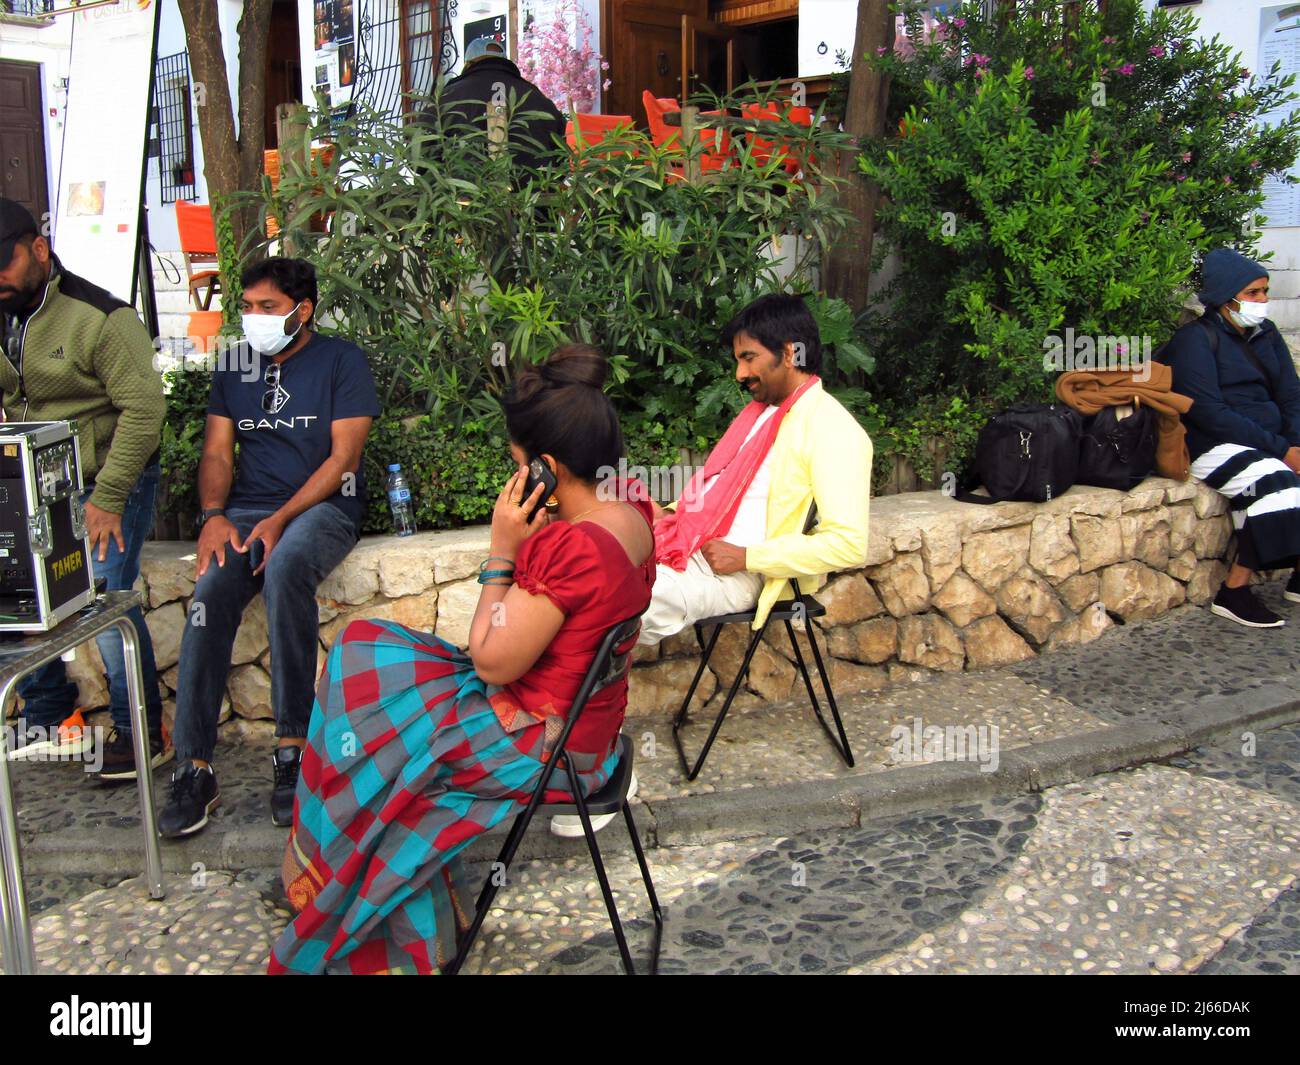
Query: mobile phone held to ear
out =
(539, 473)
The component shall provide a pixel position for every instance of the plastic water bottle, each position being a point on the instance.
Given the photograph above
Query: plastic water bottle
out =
(399, 501)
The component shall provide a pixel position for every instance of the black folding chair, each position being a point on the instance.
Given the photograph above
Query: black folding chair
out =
(607, 667)
(801, 606)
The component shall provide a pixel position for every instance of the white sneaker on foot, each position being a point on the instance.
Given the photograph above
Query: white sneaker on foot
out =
(570, 825)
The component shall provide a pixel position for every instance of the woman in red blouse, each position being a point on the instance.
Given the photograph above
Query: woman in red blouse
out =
(415, 748)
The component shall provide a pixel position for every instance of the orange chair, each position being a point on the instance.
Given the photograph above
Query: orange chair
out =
(203, 329)
(716, 143)
(198, 242)
(583, 130)
(761, 149)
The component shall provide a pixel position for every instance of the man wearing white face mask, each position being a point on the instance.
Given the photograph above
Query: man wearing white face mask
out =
(1243, 430)
(278, 526)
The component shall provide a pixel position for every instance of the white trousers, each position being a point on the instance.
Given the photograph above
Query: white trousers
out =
(681, 599)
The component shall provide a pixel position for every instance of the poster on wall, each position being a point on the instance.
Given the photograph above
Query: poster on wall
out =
(96, 220)
(1279, 42)
(335, 56)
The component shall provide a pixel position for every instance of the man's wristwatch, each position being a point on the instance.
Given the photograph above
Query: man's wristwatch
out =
(211, 512)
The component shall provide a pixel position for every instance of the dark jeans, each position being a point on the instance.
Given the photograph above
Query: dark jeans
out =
(314, 543)
(49, 695)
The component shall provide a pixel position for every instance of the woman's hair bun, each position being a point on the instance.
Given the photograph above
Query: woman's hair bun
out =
(558, 407)
(575, 364)
(569, 364)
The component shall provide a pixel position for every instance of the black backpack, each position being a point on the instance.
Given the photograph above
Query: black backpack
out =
(1029, 452)
(1118, 452)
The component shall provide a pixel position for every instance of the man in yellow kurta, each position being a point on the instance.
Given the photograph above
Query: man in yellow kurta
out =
(736, 533)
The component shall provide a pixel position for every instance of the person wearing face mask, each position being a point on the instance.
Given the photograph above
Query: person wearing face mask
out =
(70, 351)
(1243, 430)
(278, 525)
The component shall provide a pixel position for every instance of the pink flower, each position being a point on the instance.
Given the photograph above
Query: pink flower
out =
(1157, 51)
(1029, 73)
(1182, 177)
(1126, 69)
(1110, 40)
(959, 22)
(1227, 180)
(1187, 157)
(881, 50)
(1094, 159)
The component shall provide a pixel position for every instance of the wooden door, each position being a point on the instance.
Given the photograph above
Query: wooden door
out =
(22, 137)
(708, 56)
(643, 43)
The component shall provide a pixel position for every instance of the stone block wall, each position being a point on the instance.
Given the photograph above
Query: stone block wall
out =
(947, 586)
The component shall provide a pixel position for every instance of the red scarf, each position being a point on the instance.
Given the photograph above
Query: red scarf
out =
(701, 517)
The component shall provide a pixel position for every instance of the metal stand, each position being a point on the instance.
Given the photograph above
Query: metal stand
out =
(17, 660)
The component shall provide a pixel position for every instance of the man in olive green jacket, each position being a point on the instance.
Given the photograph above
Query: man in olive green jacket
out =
(73, 352)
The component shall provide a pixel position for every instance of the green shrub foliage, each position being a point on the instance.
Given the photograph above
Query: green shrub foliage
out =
(1061, 168)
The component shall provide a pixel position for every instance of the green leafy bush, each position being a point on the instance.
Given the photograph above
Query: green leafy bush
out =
(1045, 173)
(182, 446)
(450, 270)
(456, 472)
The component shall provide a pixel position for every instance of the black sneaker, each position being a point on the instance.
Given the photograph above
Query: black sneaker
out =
(288, 760)
(1241, 606)
(194, 795)
(119, 755)
(1292, 590)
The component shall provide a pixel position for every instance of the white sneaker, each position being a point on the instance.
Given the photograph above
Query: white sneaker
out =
(570, 825)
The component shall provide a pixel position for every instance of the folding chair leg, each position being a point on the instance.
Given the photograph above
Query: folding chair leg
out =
(649, 888)
(741, 674)
(490, 887)
(842, 744)
(596, 860)
(705, 654)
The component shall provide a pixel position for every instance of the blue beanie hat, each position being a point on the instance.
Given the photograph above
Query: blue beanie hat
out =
(1225, 273)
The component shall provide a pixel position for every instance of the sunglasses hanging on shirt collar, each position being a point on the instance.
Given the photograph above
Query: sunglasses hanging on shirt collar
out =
(275, 399)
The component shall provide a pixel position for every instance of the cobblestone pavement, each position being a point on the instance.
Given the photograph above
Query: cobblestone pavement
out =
(1186, 867)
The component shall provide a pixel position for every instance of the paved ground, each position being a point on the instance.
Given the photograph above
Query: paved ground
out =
(1185, 867)
(1189, 865)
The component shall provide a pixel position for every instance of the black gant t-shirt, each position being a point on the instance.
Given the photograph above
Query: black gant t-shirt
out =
(327, 379)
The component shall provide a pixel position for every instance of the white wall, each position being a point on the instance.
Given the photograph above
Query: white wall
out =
(50, 46)
(171, 39)
(1237, 23)
(829, 23)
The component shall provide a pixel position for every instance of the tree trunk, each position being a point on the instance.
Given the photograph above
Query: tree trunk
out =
(848, 262)
(231, 162)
